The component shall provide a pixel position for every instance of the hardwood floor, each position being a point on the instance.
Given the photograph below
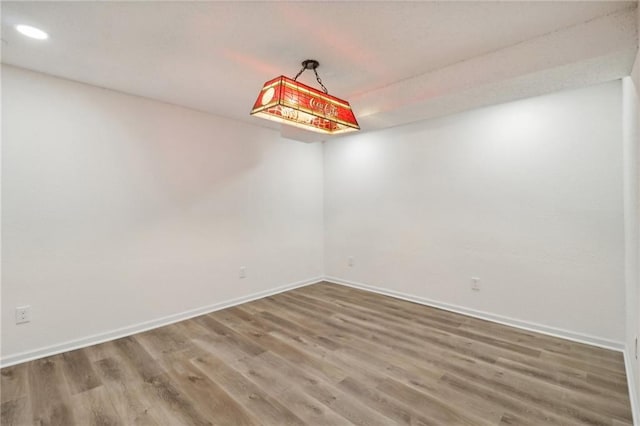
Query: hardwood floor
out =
(323, 355)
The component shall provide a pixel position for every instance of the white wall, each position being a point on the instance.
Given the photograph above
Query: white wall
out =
(631, 141)
(119, 210)
(527, 196)
(631, 187)
(631, 129)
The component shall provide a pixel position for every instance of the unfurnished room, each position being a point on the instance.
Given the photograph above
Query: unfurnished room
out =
(320, 213)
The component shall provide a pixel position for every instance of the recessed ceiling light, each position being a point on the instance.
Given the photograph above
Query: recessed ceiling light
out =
(32, 32)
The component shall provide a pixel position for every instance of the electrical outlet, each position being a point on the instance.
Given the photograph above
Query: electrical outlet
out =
(351, 262)
(243, 271)
(23, 314)
(475, 283)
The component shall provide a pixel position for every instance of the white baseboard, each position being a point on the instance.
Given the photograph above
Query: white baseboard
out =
(525, 325)
(159, 322)
(631, 384)
(144, 326)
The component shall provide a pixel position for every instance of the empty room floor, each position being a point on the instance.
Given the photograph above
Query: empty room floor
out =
(323, 355)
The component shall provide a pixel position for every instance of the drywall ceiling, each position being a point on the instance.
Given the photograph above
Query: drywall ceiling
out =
(396, 62)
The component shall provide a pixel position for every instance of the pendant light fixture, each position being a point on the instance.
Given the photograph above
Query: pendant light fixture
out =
(288, 101)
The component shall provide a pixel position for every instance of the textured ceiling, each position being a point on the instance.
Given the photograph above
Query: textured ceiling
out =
(396, 62)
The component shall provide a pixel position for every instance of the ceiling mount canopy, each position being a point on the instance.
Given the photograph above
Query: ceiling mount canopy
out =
(288, 101)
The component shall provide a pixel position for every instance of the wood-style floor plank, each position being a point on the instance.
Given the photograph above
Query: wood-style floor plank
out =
(48, 392)
(323, 355)
(246, 392)
(16, 412)
(13, 383)
(132, 404)
(79, 372)
(216, 404)
(93, 407)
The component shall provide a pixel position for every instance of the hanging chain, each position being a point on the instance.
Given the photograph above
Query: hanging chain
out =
(320, 81)
(317, 77)
(299, 72)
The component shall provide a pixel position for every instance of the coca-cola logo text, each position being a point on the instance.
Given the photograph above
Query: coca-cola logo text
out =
(327, 109)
